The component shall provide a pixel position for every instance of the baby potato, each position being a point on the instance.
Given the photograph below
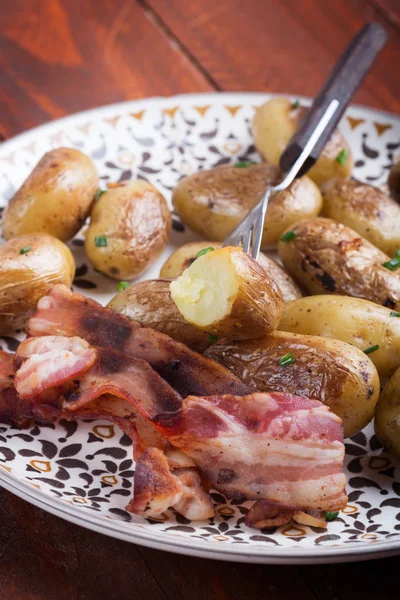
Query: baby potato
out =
(129, 228)
(327, 257)
(184, 256)
(30, 265)
(150, 304)
(55, 198)
(387, 416)
(225, 292)
(363, 324)
(337, 374)
(367, 210)
(213, 202)
(394, 181)
(273, 125)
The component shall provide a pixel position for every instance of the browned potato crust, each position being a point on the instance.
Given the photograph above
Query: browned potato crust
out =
(226, 292)
(326, 257)
(26, 277)
(367, 210)
(387, 416)
(212, 202)
(394, 181)
(150, 304)
(134, 220)
(184, 256)
(55, 198)
(273, 125)
(340, 376)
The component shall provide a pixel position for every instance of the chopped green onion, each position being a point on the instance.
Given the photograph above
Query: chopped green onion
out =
(342, 156)
(101, 240)
(286, 360)
(99, 193)
(122, 285)
(204, 251)
(244, 164)
(296, 104)
(212, 338)
(371, 349)
(25, 250)
(392, 264)
(398, 253)
(331, 516)
(288, 236)
(394, 314)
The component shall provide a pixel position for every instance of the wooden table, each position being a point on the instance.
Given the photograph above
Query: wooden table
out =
(62, 56)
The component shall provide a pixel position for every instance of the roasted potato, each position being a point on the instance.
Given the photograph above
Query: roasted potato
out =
(337, 374)
(150, 304)
(225, 292)
(55, 198)
(213, 202)
(367, 210)
(273, 125)
(29, 266)
(129, 228)
(394, 181)
(358, 322)
(184, 256)
(327, 257)
(387, 416)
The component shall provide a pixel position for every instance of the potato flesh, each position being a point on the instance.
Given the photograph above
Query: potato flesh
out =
(206, 291)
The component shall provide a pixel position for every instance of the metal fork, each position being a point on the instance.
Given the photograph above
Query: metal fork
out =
(310, 138)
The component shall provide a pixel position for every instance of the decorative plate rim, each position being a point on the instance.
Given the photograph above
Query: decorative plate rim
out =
(252, 553)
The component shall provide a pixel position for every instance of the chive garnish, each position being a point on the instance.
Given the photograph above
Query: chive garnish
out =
(204, 251)
(394, 314)
(212, 338)
(101, 240)
(286, 360)
(331, 516)
(371, 349)
(244, 164)
(392, 264)
(296, 104)
(25, 250)
(99, 193)
(342, 156)
(122, 285)
(288, 236)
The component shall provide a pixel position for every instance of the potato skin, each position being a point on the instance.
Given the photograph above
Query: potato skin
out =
(367, 210)
(135, 218)
(150, 304)
(333, 372)
(212, 202)
(394, 181)
(273, 125)
(25, 278)
(55, 198)
(183, 257)
(358, 322)
(387, 416)
(328, 257)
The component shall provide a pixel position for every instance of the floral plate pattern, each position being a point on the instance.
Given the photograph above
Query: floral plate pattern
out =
(84, 472)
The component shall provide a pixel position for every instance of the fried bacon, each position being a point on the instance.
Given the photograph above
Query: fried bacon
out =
(12, 410)
(65, 313)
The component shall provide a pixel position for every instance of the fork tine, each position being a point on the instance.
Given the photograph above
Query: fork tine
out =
(258, 229)
(247, 239)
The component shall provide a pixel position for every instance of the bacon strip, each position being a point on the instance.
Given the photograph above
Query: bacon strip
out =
(65, 313)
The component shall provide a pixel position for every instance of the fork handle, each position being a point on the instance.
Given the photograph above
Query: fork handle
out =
(346, 77)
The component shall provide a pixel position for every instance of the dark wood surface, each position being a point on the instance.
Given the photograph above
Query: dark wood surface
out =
(62, 56)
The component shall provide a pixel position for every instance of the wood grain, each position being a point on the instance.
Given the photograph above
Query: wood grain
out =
(286, 46)
(62, 56)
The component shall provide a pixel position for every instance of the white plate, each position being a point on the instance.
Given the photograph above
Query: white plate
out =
(83, 473)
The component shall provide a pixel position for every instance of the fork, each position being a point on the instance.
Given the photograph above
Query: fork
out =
(314, 131)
